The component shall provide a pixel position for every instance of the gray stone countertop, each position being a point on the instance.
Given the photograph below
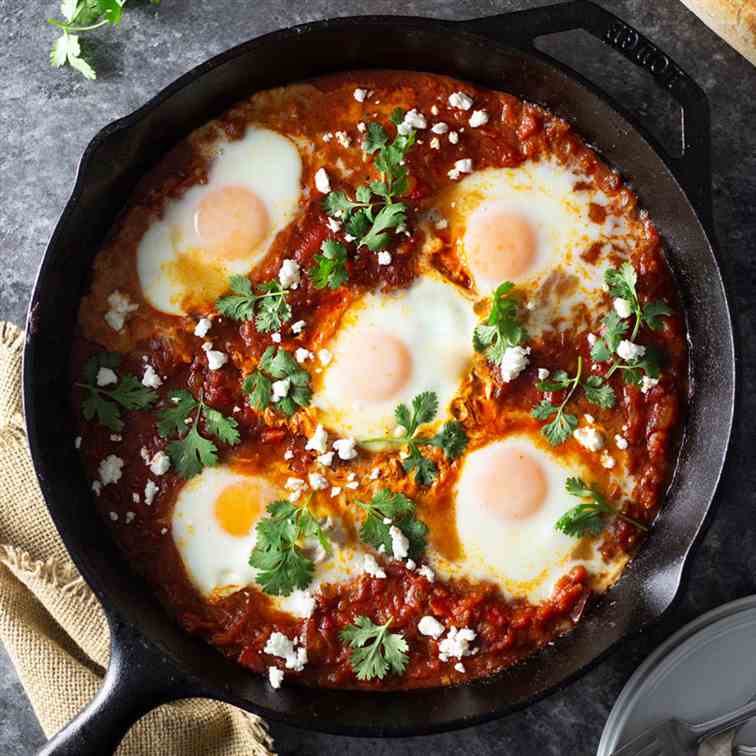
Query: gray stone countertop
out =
(47, 117)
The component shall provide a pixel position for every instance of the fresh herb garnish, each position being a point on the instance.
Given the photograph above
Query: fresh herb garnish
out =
(278, 365)
(589, 517)
(81, 16)
(400, 510)
(451, 439)
(105, 403)
(376, 650)
(191, 452)
(267, 305)
(501, 329)
(283, 565)
(330, 268)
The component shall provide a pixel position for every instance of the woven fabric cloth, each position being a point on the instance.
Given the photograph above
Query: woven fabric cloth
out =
(52, 625)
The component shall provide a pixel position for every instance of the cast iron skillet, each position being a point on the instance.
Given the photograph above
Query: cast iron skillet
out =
(152, 661)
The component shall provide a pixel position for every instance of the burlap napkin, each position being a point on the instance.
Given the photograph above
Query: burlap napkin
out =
(53, 627)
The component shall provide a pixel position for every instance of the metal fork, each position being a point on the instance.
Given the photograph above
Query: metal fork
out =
(677, 738)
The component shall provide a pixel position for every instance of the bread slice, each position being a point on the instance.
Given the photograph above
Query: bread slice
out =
(733, 20)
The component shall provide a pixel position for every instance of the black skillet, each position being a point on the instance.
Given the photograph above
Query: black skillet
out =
(152, 661)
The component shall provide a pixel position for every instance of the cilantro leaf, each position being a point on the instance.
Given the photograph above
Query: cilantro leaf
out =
(330, 268)
(502, 328)
(172, 420)
(425, 469)
(375, 138)
(240, 305)
(192, 453)
(622, 282)
(597, 391)
(398, 508)
(653, 311)
(259, 389)
(452, 439)
(563, 424)
(614, 329)
(268, 305)
(560, 428)
(275, 365)
(390, 216)
(225, 429)
(376, 651)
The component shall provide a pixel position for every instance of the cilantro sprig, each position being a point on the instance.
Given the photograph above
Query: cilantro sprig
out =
(277, 364)
(278, 554)
(400, 511)
(105, 403)
(451, 439)
(190, 451)
(376, 651)
(502, 328)
(330, 268)
(590, 516)
(266, 304)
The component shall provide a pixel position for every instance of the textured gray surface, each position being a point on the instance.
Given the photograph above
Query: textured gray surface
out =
(47, 117)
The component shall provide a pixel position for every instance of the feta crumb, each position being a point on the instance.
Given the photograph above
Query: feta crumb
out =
(150, 490)
(435, 144)
(298, 327)
(459, 667)
(453, 174)
(202, 327)
(294, 484)
(375, 473)
(431, 627)
(351, 476)
(441, 224)
(622, 307)
(589, 419)
(160, 463)
(324, 356)
(514, 361)
(289, 275)
(592, 339)
(361, 127)
(284, 648)
(335, 491)
(439, 128)
(360, 95)
(302, 355)
(116, 437)
(97, 487)
(354, 485)
(275, 677)
(105, 376)
(464, 165)
(648, 383)
(302, 603)
(334, 225)
(113, 516)
(151, 379)
(343, 138)
(620, 442)
(384, 258)
(478, 118)
(399, 543)
(77, 442)
(371, 567)
(281, 389)
(387, 521)
(130, 517)
(325, 459)
(427, 573)
(434, 109)
(399, 431)
(629, 351)
(327, 136)
(543, 374)
(345, 448)
(318, 441)
(317, 481)
(457, 643)
(607, 460)
(453, 137)
(349, 237)
(289, 454)
(275, 337)
(120, 307)
(322, 182)
(216, 360)
(589, 438)
(412, 120)
(110, 469)
(460, 100)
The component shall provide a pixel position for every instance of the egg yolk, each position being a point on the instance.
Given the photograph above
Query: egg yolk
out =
(511, 485)
(500, 244)
(373, 366)
(237, 507)
(231, 222)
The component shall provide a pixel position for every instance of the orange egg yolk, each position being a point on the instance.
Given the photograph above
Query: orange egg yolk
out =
(231, 222)
(373, 366)
(500, 244)
(237, 507)
(511, 485)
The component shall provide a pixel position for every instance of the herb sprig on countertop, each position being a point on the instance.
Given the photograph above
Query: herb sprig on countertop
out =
(376, 650)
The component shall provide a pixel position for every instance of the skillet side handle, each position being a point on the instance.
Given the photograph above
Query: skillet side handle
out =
(138, 679)
(693, 167)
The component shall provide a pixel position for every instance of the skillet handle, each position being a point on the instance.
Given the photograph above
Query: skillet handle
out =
(693, 168)
(138, 679)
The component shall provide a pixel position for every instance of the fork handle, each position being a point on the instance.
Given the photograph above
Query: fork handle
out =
(725, 721)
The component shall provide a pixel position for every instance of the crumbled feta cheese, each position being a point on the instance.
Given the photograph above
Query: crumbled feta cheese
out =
(110, 469)
(298, 327)
(361, 127)
(113, 515)
(151, 379)
(324, 356)
(216, 360)
(629, 351)
(543, 374)
(434, 109)
(478, 118)
(592, 339)
(345, 448)
(77, 442)
(105, 376)
(441, 224)
(322, 182)
(289, 275)
(622, 307)
(514, 361)
(150, 490)
(275, 337)
(116, 437)
(427, 573)
(284, 648)
(354, 485)
(431, 627)
(335, 491)
(387, 521)
(607, 460)
(202, 327)
(281, 389)
(464, 165)
(648, 383)
(334, 225)
(439, 128)
(144, 453)
(351, 476)
(325, 459)
(275, 677)
(375, 473)
(457, 643)
(349, 237)
(160, 463)
(412, 120)
(589, 418)
(620, 442)
(435, 144)
(453, 137)
(327, 136)
(384, 258)
(289, 454)
(302, 355)
(294, 484)
(371, 567)
(453, 174)
(460, 100)
(97, 487)
(459, 667)
(360, 95)
(343, 138)
(302, 603)
(317, 481)
(399, 543)
(590, 438)
(130, 517)
(120, 307)
(318, 442)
